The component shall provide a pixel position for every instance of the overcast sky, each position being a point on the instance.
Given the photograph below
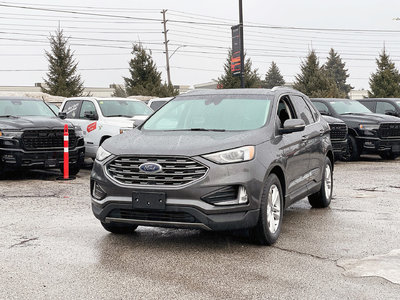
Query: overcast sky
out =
(102, 44)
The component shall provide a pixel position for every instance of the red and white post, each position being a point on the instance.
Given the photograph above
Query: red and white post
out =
(66, 152)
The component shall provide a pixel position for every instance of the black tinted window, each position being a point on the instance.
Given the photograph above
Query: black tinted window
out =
(384, 107)
(71, 109)
(303, 111)
(322, 107)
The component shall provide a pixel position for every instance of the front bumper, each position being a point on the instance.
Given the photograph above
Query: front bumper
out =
(339, 148)
(377, 145)
(184, 207)
(16, 158)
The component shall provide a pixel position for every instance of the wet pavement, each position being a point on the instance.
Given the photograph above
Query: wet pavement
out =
(51, 246)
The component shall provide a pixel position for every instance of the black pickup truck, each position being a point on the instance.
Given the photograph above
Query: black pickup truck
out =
(367, 132)
(338, 136)
(32, 136)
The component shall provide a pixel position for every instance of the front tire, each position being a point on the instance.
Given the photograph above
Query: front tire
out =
(353, 151)
(119, 228)
(323, 197)
(268, 228)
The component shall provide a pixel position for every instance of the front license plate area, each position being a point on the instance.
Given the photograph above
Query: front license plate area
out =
(148, 200)
(50, 163)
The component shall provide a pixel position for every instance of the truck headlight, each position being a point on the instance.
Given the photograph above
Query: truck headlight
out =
(78, 131)
(11, 133)
(236, 155)
(124, 129)
(102, 154)
(369, 127)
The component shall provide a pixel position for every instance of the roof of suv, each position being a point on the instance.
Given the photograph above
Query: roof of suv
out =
(372, 99)
(18, 98)
(252, 91)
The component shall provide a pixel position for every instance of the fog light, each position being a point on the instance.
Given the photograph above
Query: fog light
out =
(98, 193)
(242, 195)
(230, 195)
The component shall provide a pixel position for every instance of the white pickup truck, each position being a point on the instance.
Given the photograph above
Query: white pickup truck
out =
(101, 118)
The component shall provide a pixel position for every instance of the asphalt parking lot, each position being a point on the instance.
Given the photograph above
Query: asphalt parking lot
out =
(52, 247)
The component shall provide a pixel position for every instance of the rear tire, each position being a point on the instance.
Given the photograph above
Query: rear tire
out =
(119, 228)
(268, 228)
(323, 197)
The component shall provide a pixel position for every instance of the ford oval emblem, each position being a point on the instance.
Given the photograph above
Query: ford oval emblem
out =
(150, 168)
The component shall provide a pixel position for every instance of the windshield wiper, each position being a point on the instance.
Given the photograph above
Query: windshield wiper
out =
(120, 116)
(199, 129)
(9, 116)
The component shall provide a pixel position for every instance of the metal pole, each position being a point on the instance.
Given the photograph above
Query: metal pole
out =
(166, 45)
(241, 45)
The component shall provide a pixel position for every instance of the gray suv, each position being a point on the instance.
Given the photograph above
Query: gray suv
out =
(216, 160)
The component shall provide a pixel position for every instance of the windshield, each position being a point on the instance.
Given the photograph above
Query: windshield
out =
(348, 107)
(216, 112)
(24, 107)
(398, 103)
(123, 108)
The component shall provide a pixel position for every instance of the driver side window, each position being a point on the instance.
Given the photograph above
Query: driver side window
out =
(285, 110)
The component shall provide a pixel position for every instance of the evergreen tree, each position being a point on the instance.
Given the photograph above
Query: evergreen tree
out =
(62, 78)
(118, 91)
(385, 82)
(228, 81)
(313, 80)
(273, 77)
(335, 68)
(145, 80)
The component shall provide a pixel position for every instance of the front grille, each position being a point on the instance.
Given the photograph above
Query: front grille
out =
(338, 132)
(389, 130)
(165, 216)
(175, 170)
(44, 139)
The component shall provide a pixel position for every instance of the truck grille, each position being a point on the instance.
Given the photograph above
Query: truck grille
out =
(389, 130)
(175, 170)
(45, 139)
(338, 132)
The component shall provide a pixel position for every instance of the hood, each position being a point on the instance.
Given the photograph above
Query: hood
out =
(332, 120)
(369, 118)
(123, 121)
(185, 143)
(28, 122)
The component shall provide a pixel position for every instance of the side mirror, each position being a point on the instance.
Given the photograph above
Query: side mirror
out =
(325, 113)
(391, 113)
(62, 115)
(91, 115)
(292, 125)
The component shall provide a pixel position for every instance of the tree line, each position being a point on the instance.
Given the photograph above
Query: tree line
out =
(328, 80)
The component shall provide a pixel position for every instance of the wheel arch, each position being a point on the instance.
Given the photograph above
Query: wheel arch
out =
(278, 171)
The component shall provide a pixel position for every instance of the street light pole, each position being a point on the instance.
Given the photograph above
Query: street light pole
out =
(166, 46)
(241, 45)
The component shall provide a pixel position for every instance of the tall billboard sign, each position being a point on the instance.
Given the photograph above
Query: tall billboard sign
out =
(236, 48)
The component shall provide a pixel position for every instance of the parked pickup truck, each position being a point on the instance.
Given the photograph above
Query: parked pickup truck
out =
(32, 136)
(368, 132)
(338, 136)
(101, 118)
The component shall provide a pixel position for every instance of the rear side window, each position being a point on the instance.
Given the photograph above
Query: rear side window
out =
(322, 107)
(369, 104)
(71, 109)
(156, 105)
(383, 107)
(303, 111)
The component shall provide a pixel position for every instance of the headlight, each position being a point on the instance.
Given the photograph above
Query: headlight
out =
(122, 130)
(369, 127)
(78, 131)
(11, 134)
(102, 154)
(232, 156)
